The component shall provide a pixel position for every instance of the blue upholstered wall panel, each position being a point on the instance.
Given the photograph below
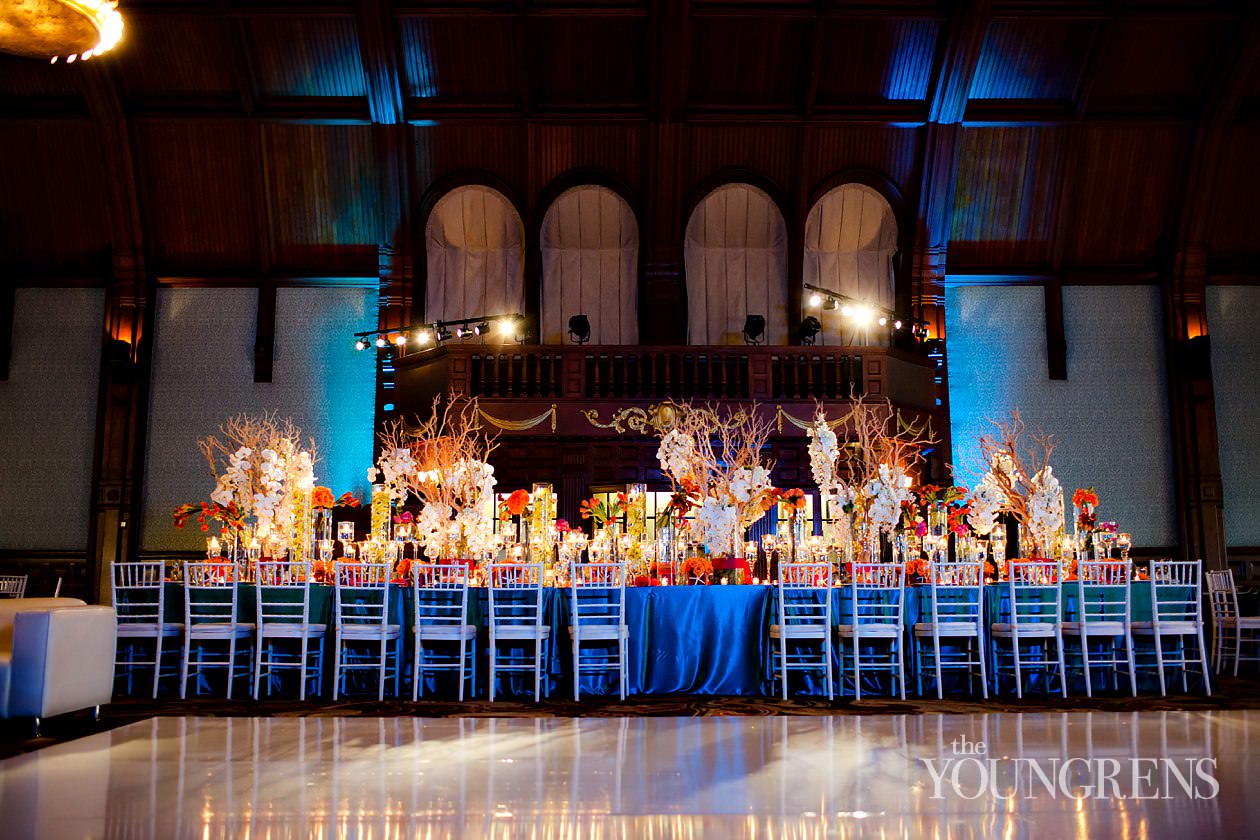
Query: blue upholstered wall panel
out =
(1110, 418)
(203, 373)
(48, 419)
(1236, 377)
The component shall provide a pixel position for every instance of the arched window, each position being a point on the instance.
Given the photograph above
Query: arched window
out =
(590, 260)
(474, 256)
(850, 241)
(736, 260)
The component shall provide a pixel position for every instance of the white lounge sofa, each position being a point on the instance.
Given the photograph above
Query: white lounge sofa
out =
(56, 656)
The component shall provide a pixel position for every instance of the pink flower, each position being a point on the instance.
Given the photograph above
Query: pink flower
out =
(920, 529)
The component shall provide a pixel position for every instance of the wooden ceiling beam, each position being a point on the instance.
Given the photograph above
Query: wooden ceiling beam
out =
(947, 99)
(380, 61)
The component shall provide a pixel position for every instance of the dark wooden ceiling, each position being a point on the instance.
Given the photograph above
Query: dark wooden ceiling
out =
(239, 139)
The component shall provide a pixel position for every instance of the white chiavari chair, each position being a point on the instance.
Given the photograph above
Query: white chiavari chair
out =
(516, 616)
(1104, 604)
(139, 600)
(210, 600)
(1228, 625)
(598, 595)
(362, 621)
(440, 619)
(13, 586)
(283, 611)
(878, 597)
(1176, 615)
(804, 617)
(1036, 603)
(957, 590)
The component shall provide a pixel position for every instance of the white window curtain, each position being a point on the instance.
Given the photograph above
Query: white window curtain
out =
(590, 258)
(736, 261)
(850, 241)
(474, 256)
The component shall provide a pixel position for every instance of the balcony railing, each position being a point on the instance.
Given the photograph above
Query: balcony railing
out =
(679, 373)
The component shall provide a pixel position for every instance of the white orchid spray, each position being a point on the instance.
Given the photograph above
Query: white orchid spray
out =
(393, 469)
(1018, 467)
(260, 467)
(443, 462)
(986, 505)
(885, 494)
(717, 452)
(824, 452)
(1046, 518)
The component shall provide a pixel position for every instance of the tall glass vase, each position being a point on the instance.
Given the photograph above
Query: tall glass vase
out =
(381, 504)
(796, 532)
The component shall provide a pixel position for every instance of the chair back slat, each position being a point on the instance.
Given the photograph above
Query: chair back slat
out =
(878, 591)
(1102, 591)
(13, 586)
(599, 594)
(1175, 590)
(210, 592)
(516, 596)
(957, 591)
(283, 589)
(1223, 595)
(138, 593)
(441, 595)
(805, 594)
(362, 594)
(1036, 597)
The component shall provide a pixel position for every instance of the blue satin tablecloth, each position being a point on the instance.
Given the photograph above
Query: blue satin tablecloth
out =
(683, 639)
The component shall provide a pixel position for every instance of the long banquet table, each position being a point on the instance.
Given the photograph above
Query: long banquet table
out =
(683, 639)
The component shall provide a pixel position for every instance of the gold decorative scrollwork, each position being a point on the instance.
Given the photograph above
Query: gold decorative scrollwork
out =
(659, 417)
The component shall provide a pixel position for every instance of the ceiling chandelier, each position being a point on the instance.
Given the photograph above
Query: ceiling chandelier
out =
(75, 30)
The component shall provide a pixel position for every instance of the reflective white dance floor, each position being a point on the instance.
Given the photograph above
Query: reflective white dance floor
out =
(1105, 775)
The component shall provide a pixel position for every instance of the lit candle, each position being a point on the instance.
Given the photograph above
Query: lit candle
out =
(213, 548)
(664, 581)
(756, 581)
(725, 581)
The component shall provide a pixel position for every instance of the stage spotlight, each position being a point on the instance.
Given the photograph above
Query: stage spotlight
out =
(580, 329)
(443, 333)
(883, 322)
(830, 304)
(754, 329)
(380, 341)
(423, 337)
(401, 339)
(507, 328)
(815, 299)
(460, 332)
(360, 345)
(897, 324)
(863, 316)
(846, 310)
(810, 328)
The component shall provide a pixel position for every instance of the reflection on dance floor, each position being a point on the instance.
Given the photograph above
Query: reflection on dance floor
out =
(1131, 775)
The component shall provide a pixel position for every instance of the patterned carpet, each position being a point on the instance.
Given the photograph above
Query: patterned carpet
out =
(16, 736)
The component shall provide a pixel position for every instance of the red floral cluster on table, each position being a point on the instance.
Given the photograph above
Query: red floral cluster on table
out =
(603, 512)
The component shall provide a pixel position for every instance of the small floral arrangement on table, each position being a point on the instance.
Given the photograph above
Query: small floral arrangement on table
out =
(794, 499)
(697, 568)
(563, 527)
(516, 504)
(918, 570)
(1085, 500)
(681, 502)
(229, 516)
(602, 512)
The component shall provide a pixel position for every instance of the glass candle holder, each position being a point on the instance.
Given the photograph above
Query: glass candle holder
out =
(1124, 542)
(345, 532)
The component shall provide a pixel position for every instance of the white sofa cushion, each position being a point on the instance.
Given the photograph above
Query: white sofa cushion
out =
(62, 660)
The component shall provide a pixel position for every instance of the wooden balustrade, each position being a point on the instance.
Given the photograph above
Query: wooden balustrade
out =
(680, 373)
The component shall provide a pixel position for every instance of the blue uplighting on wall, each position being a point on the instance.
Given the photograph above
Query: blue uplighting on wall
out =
(1235, 360)
(1109, 419)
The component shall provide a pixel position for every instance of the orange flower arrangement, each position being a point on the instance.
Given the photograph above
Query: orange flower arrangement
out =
(517, 502)
(1084, 497)
(918, 568)
(697, 567)
(321, 497)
